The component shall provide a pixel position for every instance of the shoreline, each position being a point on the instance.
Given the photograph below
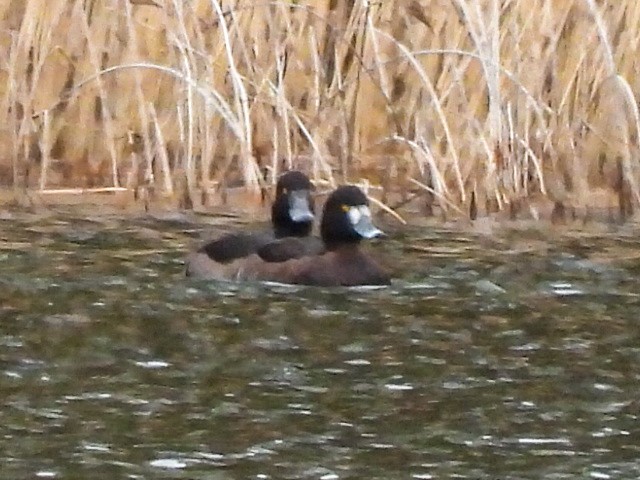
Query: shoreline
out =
(247, 206)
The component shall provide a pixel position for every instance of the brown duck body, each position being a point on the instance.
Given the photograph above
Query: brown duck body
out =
(346, 220)
(345, 266)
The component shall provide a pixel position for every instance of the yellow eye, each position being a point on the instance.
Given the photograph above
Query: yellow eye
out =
(345, 208)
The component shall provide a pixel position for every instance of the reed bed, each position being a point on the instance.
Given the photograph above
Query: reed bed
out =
(467, 107)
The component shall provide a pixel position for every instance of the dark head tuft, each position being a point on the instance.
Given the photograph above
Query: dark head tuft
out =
(293, 180)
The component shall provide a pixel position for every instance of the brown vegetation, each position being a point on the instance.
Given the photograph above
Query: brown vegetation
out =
(467, 106)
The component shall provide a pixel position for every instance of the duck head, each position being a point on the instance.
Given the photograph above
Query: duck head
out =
(292, 211)
(346, 218)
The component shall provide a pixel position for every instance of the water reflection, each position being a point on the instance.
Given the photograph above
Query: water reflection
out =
(504, 357)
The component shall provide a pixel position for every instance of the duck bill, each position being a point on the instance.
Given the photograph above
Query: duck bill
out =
(366, 229)
(299, 207)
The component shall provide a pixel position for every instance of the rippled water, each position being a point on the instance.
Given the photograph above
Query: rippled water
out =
(513, 356)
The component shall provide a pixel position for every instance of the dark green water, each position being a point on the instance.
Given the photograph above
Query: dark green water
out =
(507, 357)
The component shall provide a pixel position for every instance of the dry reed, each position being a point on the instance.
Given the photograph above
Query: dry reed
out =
(469, 106)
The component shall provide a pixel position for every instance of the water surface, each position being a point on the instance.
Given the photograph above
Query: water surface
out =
(510, 356)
